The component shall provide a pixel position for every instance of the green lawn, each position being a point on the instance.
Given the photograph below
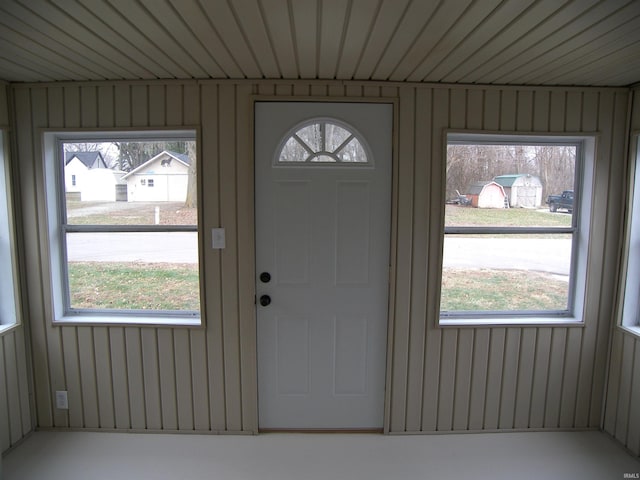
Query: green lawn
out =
(506, 290)
(456, 216)
(125, 286)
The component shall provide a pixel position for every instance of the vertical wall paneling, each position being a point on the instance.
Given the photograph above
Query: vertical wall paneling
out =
(151, 378)
(104, 381)
(621, 413)
(510, 371)
(246, 270)
(167, 376)
(570, 380)
(402, 313)
(184, 385)
(540, 373)
(146, 378)
(15, 405)
(554, 378)
(633, 432)
(478, 390)
(135, 379)
(210, 124)
(462, 395)
(10, 380)
(526, 362)
(119, 375)
(199, 380)
(73, 383)
(495, 368)
(418, 326)
(229, 220)
(5, 412)
(88, 386)
(446, 389)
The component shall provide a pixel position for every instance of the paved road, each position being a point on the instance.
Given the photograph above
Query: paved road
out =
(539, 254)
(168, 247)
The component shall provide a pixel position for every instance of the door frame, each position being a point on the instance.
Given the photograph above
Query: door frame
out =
(394, 101)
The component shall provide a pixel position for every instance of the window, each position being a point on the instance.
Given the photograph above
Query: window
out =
(8, 273)
(322, 141)
(143, 181)
(121, 254)
(150, 182)
(73, 180)
(631, 271)
(515, 229)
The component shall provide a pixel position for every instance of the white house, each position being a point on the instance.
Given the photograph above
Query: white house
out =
(100, 185)
(523, 190)
(76, 165)
(163, 178)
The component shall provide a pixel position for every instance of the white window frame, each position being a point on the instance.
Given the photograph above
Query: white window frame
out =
(54, 186)
(629, 307)
(585, 165)
(9, 303)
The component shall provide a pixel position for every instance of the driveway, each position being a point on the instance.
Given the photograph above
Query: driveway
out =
(538, 254)
(551, 255)
(166, 247)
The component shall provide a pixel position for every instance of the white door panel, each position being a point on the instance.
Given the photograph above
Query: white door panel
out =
(322, 233)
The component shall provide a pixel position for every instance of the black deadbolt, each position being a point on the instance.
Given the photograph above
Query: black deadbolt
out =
(265, 300)
(265, 277)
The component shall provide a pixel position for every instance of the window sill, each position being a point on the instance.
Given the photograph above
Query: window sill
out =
(128, 320)
(510, 322)
(632, 329)
(4, 329)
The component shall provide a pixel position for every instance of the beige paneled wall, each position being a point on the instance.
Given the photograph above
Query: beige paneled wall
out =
(149, 378)
(144, 378)
(622, 411)
(498, 378)
(15, 408)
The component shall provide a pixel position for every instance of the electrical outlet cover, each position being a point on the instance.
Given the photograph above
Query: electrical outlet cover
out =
(61, 400)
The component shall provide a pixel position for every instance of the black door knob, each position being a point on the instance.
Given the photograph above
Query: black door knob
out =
(265, 300)
(265, 277)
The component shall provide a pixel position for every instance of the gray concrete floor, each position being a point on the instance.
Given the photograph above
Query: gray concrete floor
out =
(496, 456)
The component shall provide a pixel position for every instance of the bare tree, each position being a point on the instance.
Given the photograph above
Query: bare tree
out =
(192, 182)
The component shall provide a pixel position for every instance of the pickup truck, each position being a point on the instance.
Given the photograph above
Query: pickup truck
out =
(563, 201)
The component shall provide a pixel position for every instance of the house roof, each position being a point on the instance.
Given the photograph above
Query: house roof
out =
(87, 158)
(510, 179)
(533, 42)
(181, 157)
(476, 187)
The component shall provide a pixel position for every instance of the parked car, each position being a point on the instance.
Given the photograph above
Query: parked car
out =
(563, 201)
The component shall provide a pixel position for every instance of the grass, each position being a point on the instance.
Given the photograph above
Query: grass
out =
(504, 217)
(502, 290)
(133, 213)
(125, 286)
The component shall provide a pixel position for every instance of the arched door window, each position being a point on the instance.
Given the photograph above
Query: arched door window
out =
(322, 141)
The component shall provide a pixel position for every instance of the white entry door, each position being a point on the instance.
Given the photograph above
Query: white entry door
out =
(323, 203)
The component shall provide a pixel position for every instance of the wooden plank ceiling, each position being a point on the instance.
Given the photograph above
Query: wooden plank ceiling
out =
(523, 42)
